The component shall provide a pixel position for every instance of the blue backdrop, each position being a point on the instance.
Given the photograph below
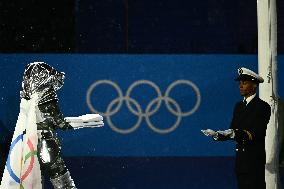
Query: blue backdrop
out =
(154, 107)
(203, 96)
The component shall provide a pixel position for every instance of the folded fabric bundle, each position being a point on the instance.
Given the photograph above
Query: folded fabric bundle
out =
(89, 124)
(85, 118)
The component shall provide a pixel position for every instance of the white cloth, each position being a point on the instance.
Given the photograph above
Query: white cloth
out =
(85, 118)
(77, 125)
(22, 170)
(84, 121)
(209, 132)
(228, 132)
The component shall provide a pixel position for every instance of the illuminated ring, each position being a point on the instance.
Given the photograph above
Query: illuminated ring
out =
(195, 89)
(148, 112)
(129, 130)
(145, 82)
(11, 172)
(91, 90)
(174, 126)
(30, 167)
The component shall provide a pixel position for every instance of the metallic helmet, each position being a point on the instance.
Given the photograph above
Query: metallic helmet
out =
(39, 77)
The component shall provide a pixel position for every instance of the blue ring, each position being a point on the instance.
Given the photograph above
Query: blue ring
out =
(11, 172)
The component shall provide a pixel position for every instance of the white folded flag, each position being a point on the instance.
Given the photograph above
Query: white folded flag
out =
(85, 118)
(88, 124)
(209, 132)
(22, 170)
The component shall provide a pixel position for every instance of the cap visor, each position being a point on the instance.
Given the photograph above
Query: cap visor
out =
(244, 77)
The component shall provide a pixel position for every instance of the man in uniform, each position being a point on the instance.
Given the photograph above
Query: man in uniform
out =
(248, 129)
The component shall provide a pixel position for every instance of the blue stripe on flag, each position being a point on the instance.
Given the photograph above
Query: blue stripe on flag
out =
(11, 172)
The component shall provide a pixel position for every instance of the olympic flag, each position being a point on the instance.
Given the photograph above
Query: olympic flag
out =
(267, 65)
(22, 170)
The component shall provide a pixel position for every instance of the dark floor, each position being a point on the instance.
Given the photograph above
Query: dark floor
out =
(152, 172)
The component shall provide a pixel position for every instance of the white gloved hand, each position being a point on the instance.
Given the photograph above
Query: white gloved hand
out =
(209, 132)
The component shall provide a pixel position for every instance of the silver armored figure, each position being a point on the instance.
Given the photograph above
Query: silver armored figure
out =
(44, 80)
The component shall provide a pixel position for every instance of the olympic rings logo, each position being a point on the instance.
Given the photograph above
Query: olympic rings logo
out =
(30, 155)
(135, 108)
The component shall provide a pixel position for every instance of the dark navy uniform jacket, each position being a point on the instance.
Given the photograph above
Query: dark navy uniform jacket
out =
(249, 124)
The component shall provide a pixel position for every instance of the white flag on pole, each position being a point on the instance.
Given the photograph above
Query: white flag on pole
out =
(22, 170)
(267, 66)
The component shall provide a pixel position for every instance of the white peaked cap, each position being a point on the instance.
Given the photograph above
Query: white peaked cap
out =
(247, 74)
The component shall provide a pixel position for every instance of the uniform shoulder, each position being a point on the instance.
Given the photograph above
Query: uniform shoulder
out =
(263, 103)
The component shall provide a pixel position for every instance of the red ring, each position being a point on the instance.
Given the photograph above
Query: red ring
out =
(30, 167)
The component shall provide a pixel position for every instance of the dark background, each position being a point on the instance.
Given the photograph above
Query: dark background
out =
(123, 26)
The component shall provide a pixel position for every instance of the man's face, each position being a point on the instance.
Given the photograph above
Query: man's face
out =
(247, 88)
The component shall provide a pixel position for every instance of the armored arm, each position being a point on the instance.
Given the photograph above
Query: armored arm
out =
(52, 116)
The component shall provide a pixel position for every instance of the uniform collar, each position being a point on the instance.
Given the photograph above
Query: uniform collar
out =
(248, 99)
